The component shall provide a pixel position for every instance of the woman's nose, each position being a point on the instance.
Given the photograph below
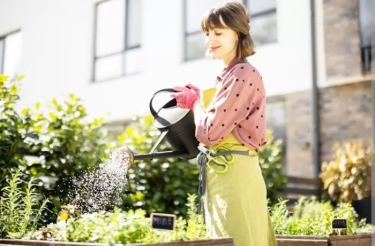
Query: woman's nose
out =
(211, 39)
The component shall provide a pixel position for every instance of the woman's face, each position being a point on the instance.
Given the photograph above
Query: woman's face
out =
(222, 43)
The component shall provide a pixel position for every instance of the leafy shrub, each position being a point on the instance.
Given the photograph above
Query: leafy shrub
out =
(313, 218)
(65, 143)
(270, 159)
(347, 176)
(162, 184)
(158, 185)
(59, 137)
(13, 129)
(20, 209)
(122, 227)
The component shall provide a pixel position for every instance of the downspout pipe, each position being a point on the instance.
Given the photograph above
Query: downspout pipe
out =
(372, 30)
(315, 103)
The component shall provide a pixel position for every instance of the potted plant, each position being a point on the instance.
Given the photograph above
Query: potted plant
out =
(347, 176)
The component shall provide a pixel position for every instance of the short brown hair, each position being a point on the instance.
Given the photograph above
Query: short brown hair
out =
(235, 17)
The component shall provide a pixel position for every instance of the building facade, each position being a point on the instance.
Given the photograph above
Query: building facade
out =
(115, 54)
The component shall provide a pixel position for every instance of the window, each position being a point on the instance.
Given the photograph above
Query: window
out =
(365, 32)
(276, 118)
(263, 24)
(276, 121)
(263, 21)
(195, 46)
(117, 39)
(10, 53)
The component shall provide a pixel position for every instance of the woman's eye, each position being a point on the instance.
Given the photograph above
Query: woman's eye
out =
(218, 34)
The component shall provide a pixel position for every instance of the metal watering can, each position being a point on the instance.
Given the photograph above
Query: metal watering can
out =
(176, 125)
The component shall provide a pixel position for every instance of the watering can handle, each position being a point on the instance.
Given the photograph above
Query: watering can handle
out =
(172, 102)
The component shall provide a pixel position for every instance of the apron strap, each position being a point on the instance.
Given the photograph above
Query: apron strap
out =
(201, 161)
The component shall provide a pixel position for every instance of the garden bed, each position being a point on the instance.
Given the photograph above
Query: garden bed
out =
(207, 242)
(357, 240)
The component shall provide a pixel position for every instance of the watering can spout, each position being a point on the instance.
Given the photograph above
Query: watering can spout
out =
(128, 156)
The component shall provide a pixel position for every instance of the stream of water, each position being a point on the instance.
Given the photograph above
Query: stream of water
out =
(94, 190)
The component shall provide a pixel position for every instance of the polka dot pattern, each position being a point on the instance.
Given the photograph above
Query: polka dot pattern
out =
(238, 108)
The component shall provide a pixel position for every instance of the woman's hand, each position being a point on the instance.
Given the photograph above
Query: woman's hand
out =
(186, 96)
(194, 88)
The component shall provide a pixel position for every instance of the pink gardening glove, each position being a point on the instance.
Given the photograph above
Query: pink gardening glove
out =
(186, 97)
(194, 88)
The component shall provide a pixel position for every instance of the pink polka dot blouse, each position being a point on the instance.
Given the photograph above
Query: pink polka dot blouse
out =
(238, 108)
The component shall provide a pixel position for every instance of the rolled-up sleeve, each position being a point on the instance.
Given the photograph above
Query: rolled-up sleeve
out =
(231, 105)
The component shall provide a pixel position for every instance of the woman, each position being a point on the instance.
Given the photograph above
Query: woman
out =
(230, 119)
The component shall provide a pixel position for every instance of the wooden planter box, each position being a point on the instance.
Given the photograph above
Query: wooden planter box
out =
(355, 240)
(208, 242)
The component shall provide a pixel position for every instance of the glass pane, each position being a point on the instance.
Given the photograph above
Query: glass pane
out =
(256, 6)
(134, 23)
(108, 67)
(365, 22)
(12, 54)
(110, 27)
(1, 54)
(195, 9)
(195, 46)
(276, 118)
(133, 61)
(264, 29)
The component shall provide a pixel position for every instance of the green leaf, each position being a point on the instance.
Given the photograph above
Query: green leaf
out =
(25, 111)
(53, 116)
(3, 78)
(20, 78)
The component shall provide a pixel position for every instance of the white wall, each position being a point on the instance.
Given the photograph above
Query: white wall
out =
(58, 50)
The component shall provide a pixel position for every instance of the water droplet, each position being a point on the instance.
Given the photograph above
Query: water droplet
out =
(91, 191)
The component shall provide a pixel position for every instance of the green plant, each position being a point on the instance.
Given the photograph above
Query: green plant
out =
(158, 185)
(313, 218)
(347, 176)
(270, 159)
(20, 208)
(122, 227)
(67, 144)
(13, 129)
(63, 142)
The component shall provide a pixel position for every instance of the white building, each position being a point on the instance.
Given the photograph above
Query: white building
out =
(115, 54)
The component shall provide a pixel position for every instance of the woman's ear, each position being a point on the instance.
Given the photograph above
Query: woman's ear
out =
(237, 38)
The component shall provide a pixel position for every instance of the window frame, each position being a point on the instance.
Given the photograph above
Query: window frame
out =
(280, 99)
(186, 34)
(271, 11)
(125, 49)
(2, 52)
(261, 13)
(2, 57)
(366, 50)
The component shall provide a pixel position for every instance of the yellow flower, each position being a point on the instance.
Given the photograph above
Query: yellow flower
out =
(63, 215)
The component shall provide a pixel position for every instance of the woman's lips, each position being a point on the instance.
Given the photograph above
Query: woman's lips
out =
(214, 48)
